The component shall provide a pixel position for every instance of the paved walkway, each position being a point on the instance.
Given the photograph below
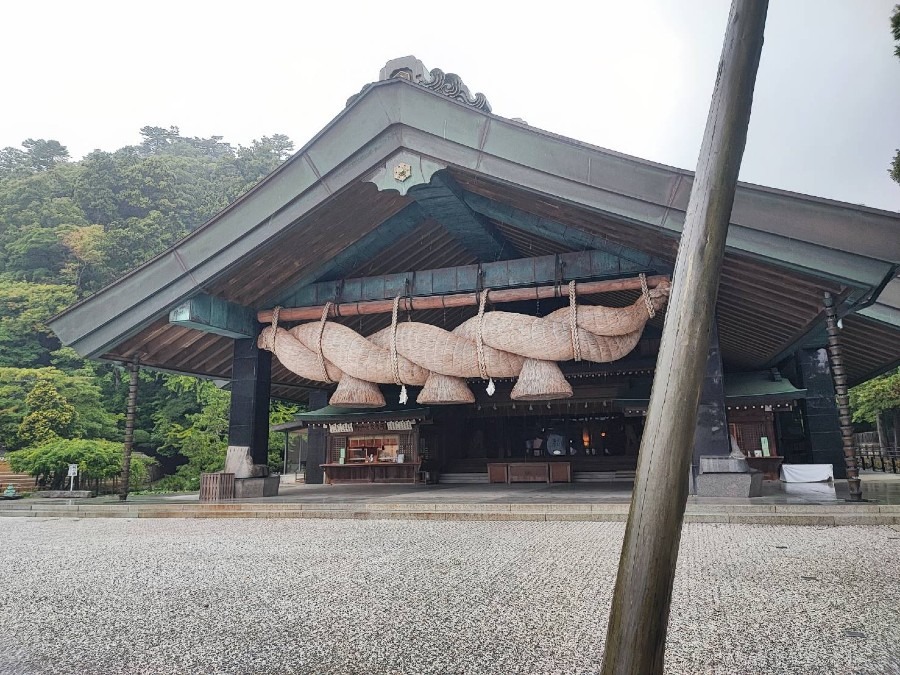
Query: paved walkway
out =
(496, 598)
(791, 504)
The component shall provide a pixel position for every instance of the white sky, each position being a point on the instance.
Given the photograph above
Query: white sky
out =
(631, 76)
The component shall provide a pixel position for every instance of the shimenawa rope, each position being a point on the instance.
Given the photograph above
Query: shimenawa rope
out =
(325, 377)
(573, 321)
(479, 343)
(395, 361)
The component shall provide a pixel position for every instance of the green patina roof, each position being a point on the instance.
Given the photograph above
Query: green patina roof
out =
(760, 384)
(332, 413)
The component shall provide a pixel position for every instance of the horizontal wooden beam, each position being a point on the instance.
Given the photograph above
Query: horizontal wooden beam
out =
(214, 315)
(289, 314)
(546, 269)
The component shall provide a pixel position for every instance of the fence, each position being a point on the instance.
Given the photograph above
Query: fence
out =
(876, 457)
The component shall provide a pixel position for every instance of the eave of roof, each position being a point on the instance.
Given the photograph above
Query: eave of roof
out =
(331, 414)
(832, 239)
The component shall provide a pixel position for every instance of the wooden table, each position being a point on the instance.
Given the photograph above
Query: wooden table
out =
(529, 472)
(371, 472)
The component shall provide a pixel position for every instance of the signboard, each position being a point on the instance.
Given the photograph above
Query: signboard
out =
(73, 471)
(341, 428)
(400, 425)
(764, 444)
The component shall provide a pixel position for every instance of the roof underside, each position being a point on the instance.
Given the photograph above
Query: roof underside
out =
(779, 262)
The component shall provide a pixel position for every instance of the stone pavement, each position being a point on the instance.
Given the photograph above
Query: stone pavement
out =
(786, 504)
(403, 597)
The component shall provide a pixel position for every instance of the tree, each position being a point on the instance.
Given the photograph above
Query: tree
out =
(50, 416)
(872, 401)
(97, 460)
(45, 154)
(25, 339)
(81, 388)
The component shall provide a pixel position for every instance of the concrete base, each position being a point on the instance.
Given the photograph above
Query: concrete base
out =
(730, 484)
(724, 464)
(239, 462)
(249, 488)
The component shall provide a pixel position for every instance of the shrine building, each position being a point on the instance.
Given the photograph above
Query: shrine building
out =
(458, 296)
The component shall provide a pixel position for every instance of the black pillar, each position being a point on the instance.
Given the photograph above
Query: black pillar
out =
(316, 441)
(823, 423)
(251, 379)
(711, 435)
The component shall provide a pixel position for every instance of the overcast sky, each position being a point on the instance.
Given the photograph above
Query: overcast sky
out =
(631, 76)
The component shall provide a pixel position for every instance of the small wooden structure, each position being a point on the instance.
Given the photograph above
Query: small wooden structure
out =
(216, 486)
(530, 472)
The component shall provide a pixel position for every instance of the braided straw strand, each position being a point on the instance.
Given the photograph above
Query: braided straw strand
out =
(646, 292)
(395, 361)
(573, 322)
(325, 377)
(479, 335)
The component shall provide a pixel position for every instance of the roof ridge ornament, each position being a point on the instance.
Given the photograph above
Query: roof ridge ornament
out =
(411, 69)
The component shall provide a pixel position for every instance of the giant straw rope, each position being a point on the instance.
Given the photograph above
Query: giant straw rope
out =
(491, 344)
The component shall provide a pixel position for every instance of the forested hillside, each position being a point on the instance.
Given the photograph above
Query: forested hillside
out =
(68, 228)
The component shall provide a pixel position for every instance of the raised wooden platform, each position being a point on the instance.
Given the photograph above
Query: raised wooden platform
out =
(529, 472)
(371, 472)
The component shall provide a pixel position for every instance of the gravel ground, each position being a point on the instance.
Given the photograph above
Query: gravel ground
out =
(372, 597)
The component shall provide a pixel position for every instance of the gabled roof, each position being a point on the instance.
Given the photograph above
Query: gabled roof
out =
(784, 249)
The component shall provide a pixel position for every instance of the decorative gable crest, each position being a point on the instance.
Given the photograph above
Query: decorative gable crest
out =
(448, 84)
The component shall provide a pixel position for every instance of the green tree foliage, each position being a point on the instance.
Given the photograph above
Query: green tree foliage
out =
(49, 416)
(201, 437)
(96, 459)
(81, 388)
(25, 339)
(68, 228)
(875, 397)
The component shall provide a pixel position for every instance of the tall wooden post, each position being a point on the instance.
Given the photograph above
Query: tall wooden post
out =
(842, 397)
(134, 368)
(636, 638)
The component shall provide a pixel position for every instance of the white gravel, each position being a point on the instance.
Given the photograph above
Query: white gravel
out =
(371, 597)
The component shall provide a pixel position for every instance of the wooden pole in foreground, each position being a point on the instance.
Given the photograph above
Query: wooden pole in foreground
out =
(636, 637)
(457, 299)
(134, 368)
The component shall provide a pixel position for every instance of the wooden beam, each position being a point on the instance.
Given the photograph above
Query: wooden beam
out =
(561, 234)
(546, 269)
(442, 199)
(289, 314)
(214, 315)
(354, 256)
(636, 635)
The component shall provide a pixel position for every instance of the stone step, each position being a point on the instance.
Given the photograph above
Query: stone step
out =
(749, 514)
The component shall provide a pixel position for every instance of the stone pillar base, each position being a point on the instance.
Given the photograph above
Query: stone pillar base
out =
(728, 476)
(248, 488)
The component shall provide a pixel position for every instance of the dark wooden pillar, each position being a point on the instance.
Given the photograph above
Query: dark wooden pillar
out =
(711, 435)
(251, 378)
(842, 398)
(822, 422)
(316, 441)
(134, 369)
